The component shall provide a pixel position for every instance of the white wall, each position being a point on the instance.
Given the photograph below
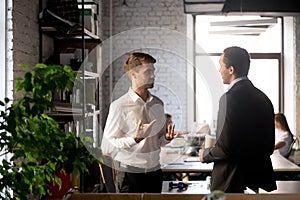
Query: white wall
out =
(296, 45)
(289, 72)
(23, 38)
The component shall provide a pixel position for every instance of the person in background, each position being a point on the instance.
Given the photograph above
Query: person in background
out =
(245, 131)
(168, 120)
(283, 135)
(169, 123)
(135, 130)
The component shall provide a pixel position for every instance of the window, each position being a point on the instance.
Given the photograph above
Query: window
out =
(260, 36)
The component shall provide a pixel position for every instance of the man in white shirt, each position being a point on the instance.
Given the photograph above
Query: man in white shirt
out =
(135, 130)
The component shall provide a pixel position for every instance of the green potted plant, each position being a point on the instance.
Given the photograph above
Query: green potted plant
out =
(36, 147)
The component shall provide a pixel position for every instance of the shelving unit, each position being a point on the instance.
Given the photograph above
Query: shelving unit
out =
(81, 113)
(73, 39)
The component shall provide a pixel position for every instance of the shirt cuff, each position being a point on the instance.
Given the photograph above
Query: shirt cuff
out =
(132, 142)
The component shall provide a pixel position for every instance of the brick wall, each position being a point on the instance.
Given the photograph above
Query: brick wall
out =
(151, 26)
(25, 35)
(157, 27)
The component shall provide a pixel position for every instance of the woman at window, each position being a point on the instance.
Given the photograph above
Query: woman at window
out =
(283, 135)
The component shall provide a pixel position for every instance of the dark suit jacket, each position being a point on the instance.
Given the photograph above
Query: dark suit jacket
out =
(245, 141)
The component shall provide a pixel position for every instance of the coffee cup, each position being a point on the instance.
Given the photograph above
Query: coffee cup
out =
(210, 141)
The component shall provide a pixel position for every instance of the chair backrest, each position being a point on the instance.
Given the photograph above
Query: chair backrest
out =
(291, 146)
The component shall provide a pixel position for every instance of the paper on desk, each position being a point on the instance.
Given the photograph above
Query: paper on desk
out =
(192, 159)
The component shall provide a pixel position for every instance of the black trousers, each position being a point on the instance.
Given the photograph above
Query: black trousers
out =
(149, 182)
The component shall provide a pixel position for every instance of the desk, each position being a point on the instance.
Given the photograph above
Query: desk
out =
(173, 161)
(284, 187)
(194, 187)
(187, 167)
(200, 187)
(281, 164)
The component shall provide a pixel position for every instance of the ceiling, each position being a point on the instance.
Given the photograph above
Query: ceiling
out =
(256, 7)
(242, 26)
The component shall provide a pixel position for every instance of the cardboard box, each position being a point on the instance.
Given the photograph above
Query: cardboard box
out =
(66, 55)
(78, 54)
(71, 53)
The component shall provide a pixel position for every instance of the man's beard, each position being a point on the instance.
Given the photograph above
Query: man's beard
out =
(147, 85)
(150, 85)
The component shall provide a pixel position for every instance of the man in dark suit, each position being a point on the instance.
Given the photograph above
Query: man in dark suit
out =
(245, 131)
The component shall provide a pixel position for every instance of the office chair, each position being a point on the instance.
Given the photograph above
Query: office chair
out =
(108, 176)
(291, 147)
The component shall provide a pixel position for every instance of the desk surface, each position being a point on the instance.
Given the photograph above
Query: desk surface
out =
(285, 187)
(173, 161)
(281, 164)
(201, 187)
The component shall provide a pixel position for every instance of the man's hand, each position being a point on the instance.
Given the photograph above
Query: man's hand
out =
(201, 155)
(170, 135)
(142, 131)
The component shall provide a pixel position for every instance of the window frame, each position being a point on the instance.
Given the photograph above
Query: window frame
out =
(267, 55)
(276, 56)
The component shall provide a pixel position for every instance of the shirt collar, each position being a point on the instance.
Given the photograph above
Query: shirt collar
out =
(136, 97)
(235, 81)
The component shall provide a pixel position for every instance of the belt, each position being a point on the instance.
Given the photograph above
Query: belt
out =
(132, 169)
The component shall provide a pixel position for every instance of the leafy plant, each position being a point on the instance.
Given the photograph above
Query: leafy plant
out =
(36, 146)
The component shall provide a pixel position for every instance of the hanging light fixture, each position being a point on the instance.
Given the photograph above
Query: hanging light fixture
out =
(203, 6)
(245, 7)
(125, 3)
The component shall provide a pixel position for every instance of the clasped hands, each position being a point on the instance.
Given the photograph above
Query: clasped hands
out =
(143, 130)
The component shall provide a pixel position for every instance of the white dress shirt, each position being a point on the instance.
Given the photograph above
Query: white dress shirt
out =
(235, 81)
(118, 137)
